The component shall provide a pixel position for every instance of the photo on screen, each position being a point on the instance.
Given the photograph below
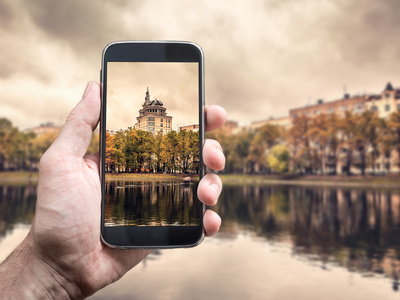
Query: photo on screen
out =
(152, 144)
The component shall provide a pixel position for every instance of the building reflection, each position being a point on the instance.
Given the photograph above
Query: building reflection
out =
(356, 228)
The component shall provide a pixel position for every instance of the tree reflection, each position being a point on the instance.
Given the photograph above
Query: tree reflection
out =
(357, 228)
(154, 203)
(17, 206)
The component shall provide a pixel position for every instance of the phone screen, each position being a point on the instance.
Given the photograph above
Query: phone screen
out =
(152, 144)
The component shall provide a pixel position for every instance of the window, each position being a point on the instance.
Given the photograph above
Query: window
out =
(374, 108)
(151, 129)
(151, 124)
(295, 116)
(358, 108)
(161, 120)
(343, 107)
(387, 95)
(387, 107)
(330, 110)
(161, 124)
(316, 112)
(150, 119)
(398, 106)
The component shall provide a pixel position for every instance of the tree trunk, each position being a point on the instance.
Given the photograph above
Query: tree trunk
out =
(348, 162)
(362, 154)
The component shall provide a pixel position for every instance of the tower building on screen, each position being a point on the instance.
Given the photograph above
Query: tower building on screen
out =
(153, 116)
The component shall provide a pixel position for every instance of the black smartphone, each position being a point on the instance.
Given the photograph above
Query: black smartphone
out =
(152, 133)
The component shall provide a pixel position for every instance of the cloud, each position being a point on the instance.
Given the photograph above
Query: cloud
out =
(261, 57)
(6, 14)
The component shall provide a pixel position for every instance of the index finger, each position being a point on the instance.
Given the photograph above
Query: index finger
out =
(215, 117)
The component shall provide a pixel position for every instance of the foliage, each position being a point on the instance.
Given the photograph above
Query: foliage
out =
(316, 144)
(278, 159)
(313, 145)
(136, 151)
(22, 150)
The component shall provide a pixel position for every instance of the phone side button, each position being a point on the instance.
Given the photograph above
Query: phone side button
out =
(100, 75)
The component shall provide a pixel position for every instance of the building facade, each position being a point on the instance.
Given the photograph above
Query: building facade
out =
(284, 122)
(45, 128)
(354, 104)
(384, 103)
(194, 128)
(153, 116)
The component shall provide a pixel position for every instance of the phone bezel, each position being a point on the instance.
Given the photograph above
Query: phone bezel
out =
(151, 237)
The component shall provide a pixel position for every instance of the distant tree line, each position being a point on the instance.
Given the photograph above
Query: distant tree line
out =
(21, 150)
(133, 150)
(315, 145)
(311, 146)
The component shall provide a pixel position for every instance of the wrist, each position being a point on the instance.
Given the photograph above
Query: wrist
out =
(24, 275)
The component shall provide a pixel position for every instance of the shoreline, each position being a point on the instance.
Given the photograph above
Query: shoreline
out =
(149, 176)
(387, 181)
(377, 181)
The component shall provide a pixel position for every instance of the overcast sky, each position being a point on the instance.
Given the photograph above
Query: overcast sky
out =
(261, 57)
(174, 84)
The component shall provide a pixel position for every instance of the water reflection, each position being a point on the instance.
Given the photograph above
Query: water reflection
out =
(356, 228)
(17, 206)
(155, 203)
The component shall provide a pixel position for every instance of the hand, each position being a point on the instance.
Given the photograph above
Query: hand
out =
(62, 256)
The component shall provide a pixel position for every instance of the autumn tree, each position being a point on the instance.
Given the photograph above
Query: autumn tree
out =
(109, 152)
(392, 137)
(118, 155)
(323, 135)
(367, 137)
(169, 150)
(278, 159)
(157, 151)
(242, 143)
(264, 138)
(7, 141)
(299, 144)
(188, 150)
(348, 126)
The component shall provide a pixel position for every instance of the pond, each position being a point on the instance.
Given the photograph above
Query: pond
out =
(276, 242)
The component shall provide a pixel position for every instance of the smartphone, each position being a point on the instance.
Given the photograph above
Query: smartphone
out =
(152, 132)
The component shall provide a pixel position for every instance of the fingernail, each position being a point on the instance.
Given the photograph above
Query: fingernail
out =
(215, 187)
(219, 149)
(88, 86)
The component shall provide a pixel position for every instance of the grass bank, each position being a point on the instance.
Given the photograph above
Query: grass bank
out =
(145, 176)
(22, 176)
(18, 176)
(386, 181)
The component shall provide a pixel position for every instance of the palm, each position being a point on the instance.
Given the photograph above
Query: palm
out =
(77, 250)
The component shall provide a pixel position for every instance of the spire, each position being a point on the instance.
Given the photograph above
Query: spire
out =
(147, 99)
(389, 87)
